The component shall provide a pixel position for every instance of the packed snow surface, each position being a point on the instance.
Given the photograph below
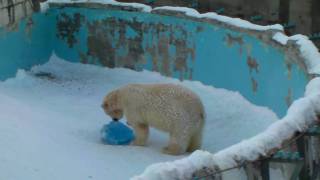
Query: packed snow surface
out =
(50, 123)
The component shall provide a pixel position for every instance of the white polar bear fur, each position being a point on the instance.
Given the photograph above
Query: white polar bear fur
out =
(168, 107)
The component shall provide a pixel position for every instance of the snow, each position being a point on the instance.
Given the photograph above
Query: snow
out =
(188, 11)
(307, 49)
(280, 38)
(228, 20)
(241, 23)
(50, 124)
(143, 7)
(301, 115)
(313, 87)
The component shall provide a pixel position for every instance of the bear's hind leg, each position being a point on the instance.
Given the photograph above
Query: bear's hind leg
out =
(177, 145)
(195, 141)
(141, 133)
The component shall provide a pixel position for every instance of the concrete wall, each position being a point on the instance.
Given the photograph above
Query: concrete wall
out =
(25, 39)
(181, 48)
(205, 51)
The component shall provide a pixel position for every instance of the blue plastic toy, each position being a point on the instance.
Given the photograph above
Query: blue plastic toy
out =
(116, 133)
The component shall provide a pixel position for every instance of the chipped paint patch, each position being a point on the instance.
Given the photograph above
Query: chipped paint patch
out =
(67, 26)
(254, 85)
(288, 98)
(186, 49)
(289, 68)
(115, 42)
(252, 64)
(231, 40)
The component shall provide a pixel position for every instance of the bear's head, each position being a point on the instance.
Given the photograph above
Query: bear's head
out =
(111, 105)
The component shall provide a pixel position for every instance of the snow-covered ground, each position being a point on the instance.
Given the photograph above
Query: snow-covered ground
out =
(50, 118)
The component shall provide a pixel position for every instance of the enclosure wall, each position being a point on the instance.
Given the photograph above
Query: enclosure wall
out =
(177, 47)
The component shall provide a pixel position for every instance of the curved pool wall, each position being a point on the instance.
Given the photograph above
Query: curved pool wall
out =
(175, 46)
(24, 44)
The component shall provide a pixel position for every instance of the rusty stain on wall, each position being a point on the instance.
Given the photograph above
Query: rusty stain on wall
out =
(114, 42)
(29, 26)
(249, 48)
(254, 85)
(288, 98)
(12, 11)
(289, 68)
(163, 49)
(252, 64)
(67, 26)
(232, 40)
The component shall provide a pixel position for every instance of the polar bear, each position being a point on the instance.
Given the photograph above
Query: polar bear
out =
(170, 108)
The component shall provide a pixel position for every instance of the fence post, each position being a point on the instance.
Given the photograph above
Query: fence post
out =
(265, 172)
(302, 148)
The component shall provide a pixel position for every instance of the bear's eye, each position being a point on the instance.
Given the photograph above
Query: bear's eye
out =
(105, 105)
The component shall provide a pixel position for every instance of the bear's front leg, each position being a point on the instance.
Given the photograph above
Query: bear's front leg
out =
(141, 133)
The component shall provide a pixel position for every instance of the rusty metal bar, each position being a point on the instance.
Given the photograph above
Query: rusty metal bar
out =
(302, 148)
(265, 171)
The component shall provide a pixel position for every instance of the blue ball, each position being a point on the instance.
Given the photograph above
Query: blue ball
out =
(116, 133)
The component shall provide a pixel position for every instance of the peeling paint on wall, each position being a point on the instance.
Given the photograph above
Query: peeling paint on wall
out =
(115, 42)
(254, 85)
(289, 68)
(288, 98)
(252, 64)
(67, 26)
(232, 40)
(185, 48)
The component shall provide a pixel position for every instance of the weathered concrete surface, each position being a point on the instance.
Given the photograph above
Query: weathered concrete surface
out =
(177, 45)
(165, 41)
(115, 42)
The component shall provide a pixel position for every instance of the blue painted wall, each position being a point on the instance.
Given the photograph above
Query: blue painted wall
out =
(173, 46)
(29, 43)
